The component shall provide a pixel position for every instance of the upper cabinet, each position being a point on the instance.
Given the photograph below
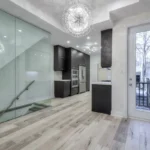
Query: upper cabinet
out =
(78, 59)
(74, 59)
(59, 58)
(106, 52)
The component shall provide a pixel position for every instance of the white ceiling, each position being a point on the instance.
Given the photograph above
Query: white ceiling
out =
(47, 15)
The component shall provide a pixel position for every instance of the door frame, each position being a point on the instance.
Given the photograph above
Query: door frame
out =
(143, 27)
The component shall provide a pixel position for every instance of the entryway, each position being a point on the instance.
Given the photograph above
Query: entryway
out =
(139, 72)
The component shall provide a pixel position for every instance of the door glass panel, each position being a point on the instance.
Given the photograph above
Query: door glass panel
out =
(7, 66)
(143, 70)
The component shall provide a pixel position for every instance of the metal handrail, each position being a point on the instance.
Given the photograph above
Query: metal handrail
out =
(17, 97)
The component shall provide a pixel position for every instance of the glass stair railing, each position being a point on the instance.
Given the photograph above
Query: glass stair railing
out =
(16, 98)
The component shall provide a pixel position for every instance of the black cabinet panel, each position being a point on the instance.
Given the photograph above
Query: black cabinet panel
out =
(74, 91)
(101, 98)
(106, 52)
(59, 58)
(61, 51)
(87, 64)
(62, 88)
(74, 59)
(81, 59)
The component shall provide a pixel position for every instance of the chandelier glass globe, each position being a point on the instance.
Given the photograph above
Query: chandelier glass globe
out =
(77, 20)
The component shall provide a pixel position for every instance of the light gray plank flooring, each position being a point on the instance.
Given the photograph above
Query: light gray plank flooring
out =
(70, 125)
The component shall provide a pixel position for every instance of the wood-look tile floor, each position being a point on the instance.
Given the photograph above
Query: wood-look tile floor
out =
(70, 125)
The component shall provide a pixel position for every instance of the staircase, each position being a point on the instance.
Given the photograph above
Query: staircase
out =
(20, 50)
(37, 107)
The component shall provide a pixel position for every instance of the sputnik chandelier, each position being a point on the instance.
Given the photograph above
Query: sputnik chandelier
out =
(77, 19)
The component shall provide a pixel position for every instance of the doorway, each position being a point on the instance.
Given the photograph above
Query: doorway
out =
(139, 72)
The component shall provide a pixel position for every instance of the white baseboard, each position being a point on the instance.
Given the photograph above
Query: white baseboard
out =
(118, 114)
(140, 119)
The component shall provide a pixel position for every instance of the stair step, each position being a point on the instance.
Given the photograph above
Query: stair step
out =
(41, 105)
(37, 107)
(34, 109)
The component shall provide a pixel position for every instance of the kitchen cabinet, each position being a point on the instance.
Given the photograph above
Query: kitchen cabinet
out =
(87, 64)
(101, 98)
(62, 88)
(81, 59)
(106, 52)
(59, 58)
(74, 59)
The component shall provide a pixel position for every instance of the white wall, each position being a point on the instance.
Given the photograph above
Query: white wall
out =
(119, 62)
(94, 61)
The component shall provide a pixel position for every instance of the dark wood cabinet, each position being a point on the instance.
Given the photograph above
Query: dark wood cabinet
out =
(59, 58)
(87, 64)
(62, 88)
(101, 98)
(74, 59)
(106, 52)
(81, 59)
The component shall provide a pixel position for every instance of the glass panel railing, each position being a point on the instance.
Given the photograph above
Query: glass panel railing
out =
(7, 64)
(26, 55)
(33, 63)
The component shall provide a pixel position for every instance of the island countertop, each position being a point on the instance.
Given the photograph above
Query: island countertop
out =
(102, 83)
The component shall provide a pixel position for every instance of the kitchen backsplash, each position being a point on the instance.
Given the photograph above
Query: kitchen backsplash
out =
(57, 75)
(103, 73)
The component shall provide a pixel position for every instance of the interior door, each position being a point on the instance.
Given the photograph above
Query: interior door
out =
(138, 89)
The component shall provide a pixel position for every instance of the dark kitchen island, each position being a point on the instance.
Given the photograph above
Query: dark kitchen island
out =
(101, 97)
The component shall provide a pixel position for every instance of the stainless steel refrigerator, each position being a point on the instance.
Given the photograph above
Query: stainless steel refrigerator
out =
(82, 79)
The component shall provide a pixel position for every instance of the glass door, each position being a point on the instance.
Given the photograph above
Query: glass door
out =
(7, 67)
(139, 72)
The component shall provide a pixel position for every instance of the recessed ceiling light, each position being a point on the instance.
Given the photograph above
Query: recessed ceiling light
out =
(20, 30)
(77, 46)
(95, 43)
(5, 36)
(88, 37)
(68, 42)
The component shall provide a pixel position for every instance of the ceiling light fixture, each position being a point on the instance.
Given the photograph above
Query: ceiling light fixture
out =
(77, 46)
(77, 20)
(5, 36)
(95, 43)
(88, 37)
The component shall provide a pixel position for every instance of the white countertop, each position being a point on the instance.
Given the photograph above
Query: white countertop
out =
(62, 80)
(102, 83)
